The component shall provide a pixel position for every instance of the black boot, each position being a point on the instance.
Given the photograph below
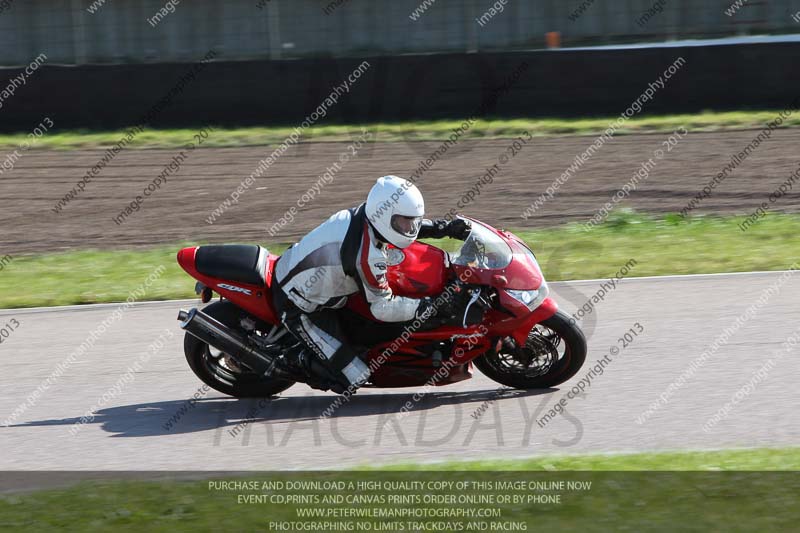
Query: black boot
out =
(299, 361)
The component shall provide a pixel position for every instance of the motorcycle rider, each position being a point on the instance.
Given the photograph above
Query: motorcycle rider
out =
(348, 254)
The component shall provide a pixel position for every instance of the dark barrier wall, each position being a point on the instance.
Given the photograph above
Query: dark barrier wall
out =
(596, 82)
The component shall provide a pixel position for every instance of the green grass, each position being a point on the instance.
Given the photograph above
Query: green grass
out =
(668, 245)
(758, 460)
(709, 500)
(660, 246)
(415, 130)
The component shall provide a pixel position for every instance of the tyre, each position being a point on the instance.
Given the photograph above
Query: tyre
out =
(218, 370)
(554, 352)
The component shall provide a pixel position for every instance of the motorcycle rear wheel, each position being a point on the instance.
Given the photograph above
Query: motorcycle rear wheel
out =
(219, 371)
(554, 352)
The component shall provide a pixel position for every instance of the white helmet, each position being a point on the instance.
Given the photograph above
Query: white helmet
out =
(395, 208)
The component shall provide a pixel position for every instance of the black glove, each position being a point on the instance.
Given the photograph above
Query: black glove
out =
(447, 308)
(457, 228)
(427, 315)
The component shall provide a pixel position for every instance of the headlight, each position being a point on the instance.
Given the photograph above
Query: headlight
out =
(532, 299)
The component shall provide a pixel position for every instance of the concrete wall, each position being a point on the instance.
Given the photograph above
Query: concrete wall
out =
(119, 32)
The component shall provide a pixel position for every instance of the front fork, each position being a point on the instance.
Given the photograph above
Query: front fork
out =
(519, 328)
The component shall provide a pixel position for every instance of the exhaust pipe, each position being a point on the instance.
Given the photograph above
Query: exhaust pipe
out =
(214, 333)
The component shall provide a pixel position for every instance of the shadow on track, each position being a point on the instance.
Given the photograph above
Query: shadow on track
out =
(153, 419)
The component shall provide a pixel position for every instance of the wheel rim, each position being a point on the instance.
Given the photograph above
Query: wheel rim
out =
(544, 352)
(222, 366)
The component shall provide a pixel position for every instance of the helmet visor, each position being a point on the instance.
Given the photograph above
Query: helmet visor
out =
(407, 226)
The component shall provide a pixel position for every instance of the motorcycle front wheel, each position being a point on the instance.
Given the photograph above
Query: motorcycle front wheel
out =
(554, 352)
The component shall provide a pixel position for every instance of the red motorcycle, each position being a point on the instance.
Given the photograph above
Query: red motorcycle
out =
(511, 330)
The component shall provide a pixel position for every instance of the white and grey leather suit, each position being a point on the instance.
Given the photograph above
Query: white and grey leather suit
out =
(340, 257)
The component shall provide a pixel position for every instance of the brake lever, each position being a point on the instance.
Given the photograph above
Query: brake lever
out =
(475, 296)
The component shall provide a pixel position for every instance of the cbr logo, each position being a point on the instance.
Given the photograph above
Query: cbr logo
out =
(234, 288)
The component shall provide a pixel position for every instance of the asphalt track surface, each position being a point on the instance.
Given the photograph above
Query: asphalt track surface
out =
(681, 316)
